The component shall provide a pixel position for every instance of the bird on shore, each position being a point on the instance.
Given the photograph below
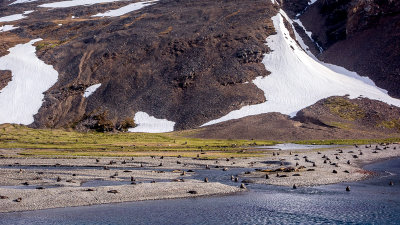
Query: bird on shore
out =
(348, 188)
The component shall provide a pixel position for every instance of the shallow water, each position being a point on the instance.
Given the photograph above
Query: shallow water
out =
(291, 146)
(371, 201)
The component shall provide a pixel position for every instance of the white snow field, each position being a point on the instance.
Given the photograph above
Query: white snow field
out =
(90, 90)
(126, 9)
(7, 28)
(71, 3)
(149, 124)
(22, 1)
(22, 98)
(297, 80)
(15, 17)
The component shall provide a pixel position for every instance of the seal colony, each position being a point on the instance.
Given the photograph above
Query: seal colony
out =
(42, 183)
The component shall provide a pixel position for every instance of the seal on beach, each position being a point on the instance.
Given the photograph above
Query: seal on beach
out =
(192, 192)
(266, 176)
(113, 191)
(58, 179)
(18, 200)
(294, 186)
(348, 188)
(334, 171)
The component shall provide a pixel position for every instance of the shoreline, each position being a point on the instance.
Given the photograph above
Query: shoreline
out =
(65, 181)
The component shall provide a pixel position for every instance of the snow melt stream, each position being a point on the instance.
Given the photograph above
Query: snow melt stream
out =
(126, 9)
(22, 98)
(297, 80)
(150, 124)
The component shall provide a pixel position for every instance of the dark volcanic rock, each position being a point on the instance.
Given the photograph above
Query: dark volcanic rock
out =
(5, 77)
(186, 61)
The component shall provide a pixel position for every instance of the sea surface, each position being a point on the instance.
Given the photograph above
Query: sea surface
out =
(371, 201)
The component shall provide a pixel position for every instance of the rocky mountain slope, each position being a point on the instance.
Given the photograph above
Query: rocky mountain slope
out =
(179, 64)
(361, 35)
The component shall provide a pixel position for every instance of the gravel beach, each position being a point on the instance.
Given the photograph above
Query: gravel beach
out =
(40, 183)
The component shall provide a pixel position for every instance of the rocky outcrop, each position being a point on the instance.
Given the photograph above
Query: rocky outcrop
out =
(5, 77)
(331, 118)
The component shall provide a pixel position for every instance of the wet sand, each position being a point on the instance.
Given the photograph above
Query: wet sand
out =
(64, 179)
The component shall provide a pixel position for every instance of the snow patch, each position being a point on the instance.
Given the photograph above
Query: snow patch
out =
(312, 2)
(149, 124)
(297, 80)
(90, 90)
(71, 3)
(22, 98)
(7, 28)
(309, 34)
(126, 9)
(335, 68)
(15, 17)
(22, 1)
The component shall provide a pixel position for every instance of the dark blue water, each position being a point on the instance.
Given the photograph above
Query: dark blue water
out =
(371, 201)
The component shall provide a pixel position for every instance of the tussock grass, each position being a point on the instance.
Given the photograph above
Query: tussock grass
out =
(71, 143)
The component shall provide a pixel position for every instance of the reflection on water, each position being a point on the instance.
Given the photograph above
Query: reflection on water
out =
(369, 202)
